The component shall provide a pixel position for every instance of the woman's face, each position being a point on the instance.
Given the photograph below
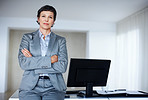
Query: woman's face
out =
(46, 20)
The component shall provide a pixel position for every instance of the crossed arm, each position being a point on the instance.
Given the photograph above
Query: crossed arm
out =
(48, 64)
(27, 53)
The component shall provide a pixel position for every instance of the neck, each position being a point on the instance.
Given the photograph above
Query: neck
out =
(45, 32)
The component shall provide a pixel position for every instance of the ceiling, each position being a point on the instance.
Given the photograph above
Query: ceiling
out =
(81, 10)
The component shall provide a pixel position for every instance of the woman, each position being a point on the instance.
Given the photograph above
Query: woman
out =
(43, 57)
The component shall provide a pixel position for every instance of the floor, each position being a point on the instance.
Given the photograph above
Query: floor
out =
(6, 95)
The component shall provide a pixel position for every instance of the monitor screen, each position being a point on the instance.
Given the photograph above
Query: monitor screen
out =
(88, 73)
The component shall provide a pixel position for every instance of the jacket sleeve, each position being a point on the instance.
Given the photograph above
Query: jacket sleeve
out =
(31, 63)
(61, 65)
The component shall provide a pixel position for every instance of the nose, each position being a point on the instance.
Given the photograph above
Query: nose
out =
(46, 19)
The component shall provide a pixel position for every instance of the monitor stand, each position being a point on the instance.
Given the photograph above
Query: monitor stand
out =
(88, 92)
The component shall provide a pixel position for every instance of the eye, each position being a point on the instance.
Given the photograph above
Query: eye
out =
(43, 16)
(50, 17)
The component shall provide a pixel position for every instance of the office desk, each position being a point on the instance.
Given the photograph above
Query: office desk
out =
(128, 98)
(74, 97)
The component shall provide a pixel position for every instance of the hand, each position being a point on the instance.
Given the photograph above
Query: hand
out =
(26, 52)
(54, 59)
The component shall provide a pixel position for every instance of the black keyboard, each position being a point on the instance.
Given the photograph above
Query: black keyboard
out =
(73, 92)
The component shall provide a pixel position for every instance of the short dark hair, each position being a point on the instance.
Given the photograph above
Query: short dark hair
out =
(47, 8)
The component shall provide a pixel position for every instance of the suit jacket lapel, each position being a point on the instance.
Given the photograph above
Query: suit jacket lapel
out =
(51, 43)
(35, 45)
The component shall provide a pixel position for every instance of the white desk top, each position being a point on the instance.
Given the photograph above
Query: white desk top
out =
(74, 97)
(128, 98)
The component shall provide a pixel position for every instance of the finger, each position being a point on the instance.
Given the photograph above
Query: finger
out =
(54, 58)
(25, 53)
(28, 52)
(22, 50)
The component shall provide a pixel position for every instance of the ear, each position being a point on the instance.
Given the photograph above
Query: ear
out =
(53, 24)
(38, 20)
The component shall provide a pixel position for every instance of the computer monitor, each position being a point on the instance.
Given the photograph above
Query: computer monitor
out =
(88, 73)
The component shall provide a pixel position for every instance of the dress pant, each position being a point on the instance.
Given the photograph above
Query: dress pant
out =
(44, 90)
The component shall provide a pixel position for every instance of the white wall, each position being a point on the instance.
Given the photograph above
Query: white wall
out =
(99, 35)
(102, 46)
